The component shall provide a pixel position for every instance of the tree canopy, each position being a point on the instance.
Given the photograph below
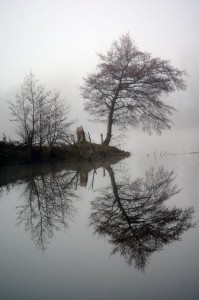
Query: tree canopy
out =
(127, 88)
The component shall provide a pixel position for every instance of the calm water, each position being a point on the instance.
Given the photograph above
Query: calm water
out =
(118, 230)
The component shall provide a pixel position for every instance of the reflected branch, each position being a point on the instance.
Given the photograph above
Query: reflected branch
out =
(133, 215)
(48, 205)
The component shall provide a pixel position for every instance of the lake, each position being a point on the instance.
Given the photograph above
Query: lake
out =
(112, 230)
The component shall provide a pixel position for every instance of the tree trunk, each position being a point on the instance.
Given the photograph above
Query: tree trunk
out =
(117, 197)
(109, 127)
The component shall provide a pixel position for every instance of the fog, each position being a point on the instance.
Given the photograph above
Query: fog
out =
(58, 41)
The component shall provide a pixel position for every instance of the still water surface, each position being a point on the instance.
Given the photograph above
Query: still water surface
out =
(114, 230)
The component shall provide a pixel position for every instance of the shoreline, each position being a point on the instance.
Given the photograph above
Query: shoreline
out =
(16, 153)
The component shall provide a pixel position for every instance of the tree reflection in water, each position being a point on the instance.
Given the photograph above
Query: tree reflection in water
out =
(133, 215)
(49, 194)
(48, 204)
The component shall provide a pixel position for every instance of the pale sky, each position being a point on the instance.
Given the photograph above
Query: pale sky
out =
(58, 40)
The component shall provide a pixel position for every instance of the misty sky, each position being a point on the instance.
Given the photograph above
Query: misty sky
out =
(58, 40)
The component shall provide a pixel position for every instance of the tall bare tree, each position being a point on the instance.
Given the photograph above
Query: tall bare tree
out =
(42, 117)
(26, 110)
(127, 87)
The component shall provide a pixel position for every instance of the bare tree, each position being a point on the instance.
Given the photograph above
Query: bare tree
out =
(57, 120)
(127, 87)
(41, 115)
(26, 110)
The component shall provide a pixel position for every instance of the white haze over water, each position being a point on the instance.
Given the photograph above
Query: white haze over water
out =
(58, 40)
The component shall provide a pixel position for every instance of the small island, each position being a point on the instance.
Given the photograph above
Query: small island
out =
(12, 152)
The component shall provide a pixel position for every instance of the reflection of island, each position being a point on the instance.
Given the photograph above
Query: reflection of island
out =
(133, 215)
(49, 194)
